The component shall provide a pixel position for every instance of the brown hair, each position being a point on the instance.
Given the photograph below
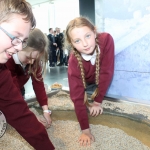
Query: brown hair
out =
(39, 42)
(80, 22)
(21, 7)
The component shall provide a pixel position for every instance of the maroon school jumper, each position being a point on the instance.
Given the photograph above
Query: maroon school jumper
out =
(106, 45)
(20, 77)
(18, 114)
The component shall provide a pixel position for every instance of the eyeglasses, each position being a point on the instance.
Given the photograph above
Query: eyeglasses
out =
(14, 40)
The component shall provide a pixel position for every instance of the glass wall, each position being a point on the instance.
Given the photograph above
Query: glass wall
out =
(128, 21)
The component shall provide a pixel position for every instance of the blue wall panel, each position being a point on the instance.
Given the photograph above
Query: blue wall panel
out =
(128, 21)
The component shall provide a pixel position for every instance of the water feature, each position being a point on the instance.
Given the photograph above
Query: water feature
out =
(122, 126)
(132, 118)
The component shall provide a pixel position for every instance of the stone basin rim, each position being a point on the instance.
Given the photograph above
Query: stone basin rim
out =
(50, 93)
(134, 116)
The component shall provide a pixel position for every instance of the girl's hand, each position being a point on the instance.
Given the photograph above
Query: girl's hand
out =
(47, 116)
(42, 120)
(95, 109)
(48, 119)
(86, 138)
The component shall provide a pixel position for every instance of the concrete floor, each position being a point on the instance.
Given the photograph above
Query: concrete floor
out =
(56, 74)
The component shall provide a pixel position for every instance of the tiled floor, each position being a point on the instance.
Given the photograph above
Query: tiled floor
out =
(56, 74)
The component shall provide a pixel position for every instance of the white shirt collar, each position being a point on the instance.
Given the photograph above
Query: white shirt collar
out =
(91, 58)
(17, 61)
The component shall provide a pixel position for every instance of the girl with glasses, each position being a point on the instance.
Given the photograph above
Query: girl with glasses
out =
(90, 71)
(16, 21)
(31, 62)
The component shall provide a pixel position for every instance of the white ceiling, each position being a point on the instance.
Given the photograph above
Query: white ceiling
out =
(34, 2)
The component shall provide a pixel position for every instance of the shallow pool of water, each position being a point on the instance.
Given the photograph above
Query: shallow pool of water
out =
(139, 130)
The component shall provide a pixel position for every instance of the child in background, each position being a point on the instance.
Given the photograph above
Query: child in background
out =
(16, 21)
(91, 63)
(31, 62)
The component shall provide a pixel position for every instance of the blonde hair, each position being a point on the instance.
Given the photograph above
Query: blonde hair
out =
(80, 22)
(21, 7)
(38, 41)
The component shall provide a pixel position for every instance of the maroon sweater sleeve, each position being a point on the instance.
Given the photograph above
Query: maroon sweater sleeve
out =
(106, 45)
(18, 114)
(77, 92)
(39, 88)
